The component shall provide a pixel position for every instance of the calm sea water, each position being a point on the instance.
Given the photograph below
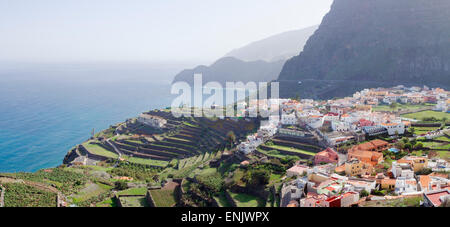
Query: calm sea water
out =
(45, 111)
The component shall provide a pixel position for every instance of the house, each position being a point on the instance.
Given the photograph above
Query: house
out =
(292, 191)
(297, 170)
(339, 126)
(334, 201)
(152, 121)
(374, 130)
(253, 141)
(400, 169)
(368, 152)
(431, 182)
(439, 165)
(442, 105)
(359, 185)
(388, 184)
(326, 156)
(313, 200)
(314, 121)
(355, 167)
(405, 186)
(349, 198)
(436, 198)
(417, 163)
(331, 117)
(394, 128)
(289, 119)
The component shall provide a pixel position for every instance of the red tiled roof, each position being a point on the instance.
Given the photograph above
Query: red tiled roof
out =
(435, 197)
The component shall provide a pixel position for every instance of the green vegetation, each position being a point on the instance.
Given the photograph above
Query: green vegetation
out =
(62, 179)
(291, 149)
(245, 200)
(21, 195)
(424, 130)
(213, 182)
(401, 202)
(91, 191)
(135, 171)
(398, 106)
(98, 150)
(163, 198)
(133, 201)
(222, 200)
(110, 202)
(428, 116)
(134, 191)
(149, 162)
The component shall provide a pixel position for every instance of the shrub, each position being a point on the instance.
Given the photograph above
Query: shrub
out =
(120, 185)
(364, 193)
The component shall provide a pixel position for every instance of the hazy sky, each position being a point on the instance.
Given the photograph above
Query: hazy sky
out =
(144, 30)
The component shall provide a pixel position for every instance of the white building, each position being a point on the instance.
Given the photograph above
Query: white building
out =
(442, 105)
(152, 121)
(289, 119)
(340, 126)
(402, 170)
(394, 128)
(405, 186)
(250, 145)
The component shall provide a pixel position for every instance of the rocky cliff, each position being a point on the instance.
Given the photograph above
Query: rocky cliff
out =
(369, 43)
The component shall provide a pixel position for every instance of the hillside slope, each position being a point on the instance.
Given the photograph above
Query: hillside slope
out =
(275, 48)
(260, 61)
(366, 43)
(233, 70)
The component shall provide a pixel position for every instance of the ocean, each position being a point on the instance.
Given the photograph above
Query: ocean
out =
(45, 110)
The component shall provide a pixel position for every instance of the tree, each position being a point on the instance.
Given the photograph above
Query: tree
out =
(364, 193)
(120, 185)
(231, 138)
(257, 177)
(418, 146)
(413, 130)
(393, 105)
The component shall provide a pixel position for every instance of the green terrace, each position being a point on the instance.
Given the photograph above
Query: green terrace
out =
(429, 116)
(187, 137)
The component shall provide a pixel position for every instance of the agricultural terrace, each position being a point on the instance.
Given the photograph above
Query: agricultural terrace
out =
(401, 107)
(22, 195)
(428, 115)
(163, 197)
(245, 200)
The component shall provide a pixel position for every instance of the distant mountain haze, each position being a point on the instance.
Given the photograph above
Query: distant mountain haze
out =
(367, 43)
(279, 47)
(260, 61)
(229, 69)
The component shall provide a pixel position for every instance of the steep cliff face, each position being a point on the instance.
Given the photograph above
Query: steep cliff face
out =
(373, 42)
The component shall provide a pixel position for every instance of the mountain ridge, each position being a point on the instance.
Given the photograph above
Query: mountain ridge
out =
(260, 61)
(366, 43)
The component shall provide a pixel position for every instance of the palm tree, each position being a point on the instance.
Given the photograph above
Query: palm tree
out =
(231, 138)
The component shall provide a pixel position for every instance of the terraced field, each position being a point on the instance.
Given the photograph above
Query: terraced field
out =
(182, 139)
(163, 197)
(21, 195)
(289, 146)
(244, 200)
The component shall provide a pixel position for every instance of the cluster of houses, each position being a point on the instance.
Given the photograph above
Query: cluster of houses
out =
(349, 119)
(329, 185)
